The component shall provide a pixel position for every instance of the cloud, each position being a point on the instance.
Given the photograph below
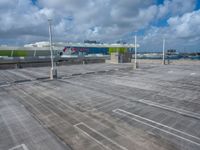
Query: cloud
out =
(75, 20)
(182, 31)
(22, 18)
(186, 26)
(175, 7)
(103, 20)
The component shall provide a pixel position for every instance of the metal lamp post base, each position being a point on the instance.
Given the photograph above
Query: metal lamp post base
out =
(136, 65)
(53, 73)
(163, 62)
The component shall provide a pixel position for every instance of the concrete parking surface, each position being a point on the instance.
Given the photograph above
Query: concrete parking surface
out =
(101, 107)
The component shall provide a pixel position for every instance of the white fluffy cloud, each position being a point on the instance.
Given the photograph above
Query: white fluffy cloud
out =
(103, 20)
(176, 7)
(187, 26)
(181, 33)
(75, 20)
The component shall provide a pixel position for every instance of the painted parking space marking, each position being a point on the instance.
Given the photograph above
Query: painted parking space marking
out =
(156, 125)
(193, 73)
(18, 147)
(173, 109)
(92, 133)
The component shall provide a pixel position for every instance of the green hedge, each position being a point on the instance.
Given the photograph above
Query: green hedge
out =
(5, 52)
(24, 53)
(121, 50)
(20, 53)
(16, 53)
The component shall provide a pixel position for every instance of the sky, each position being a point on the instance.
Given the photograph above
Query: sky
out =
(178, 21)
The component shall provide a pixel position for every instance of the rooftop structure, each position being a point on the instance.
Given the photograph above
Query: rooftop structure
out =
(62, 44)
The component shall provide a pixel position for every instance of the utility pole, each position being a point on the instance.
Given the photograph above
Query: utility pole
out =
(163, 51)
(53, 72)
(135, 64)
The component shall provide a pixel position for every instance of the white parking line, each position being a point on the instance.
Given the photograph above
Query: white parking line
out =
(93, 138)
(126, 113)
(193, 73)
(170, 71)
(19, 146)
(180, 111)
(81, 123)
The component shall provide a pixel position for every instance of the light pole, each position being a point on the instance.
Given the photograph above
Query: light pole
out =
(53, 73)
(163, 51)
(135, 65)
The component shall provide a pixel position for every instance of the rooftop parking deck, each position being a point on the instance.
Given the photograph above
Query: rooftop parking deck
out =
(101, 107)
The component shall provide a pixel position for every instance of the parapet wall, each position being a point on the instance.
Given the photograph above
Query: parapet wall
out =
(42, 62)
(180, 61)
(159, 61)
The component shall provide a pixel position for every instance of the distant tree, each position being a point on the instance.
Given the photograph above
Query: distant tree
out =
(121, 42)
(171, 51)
(118, 42)
(91, 41)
